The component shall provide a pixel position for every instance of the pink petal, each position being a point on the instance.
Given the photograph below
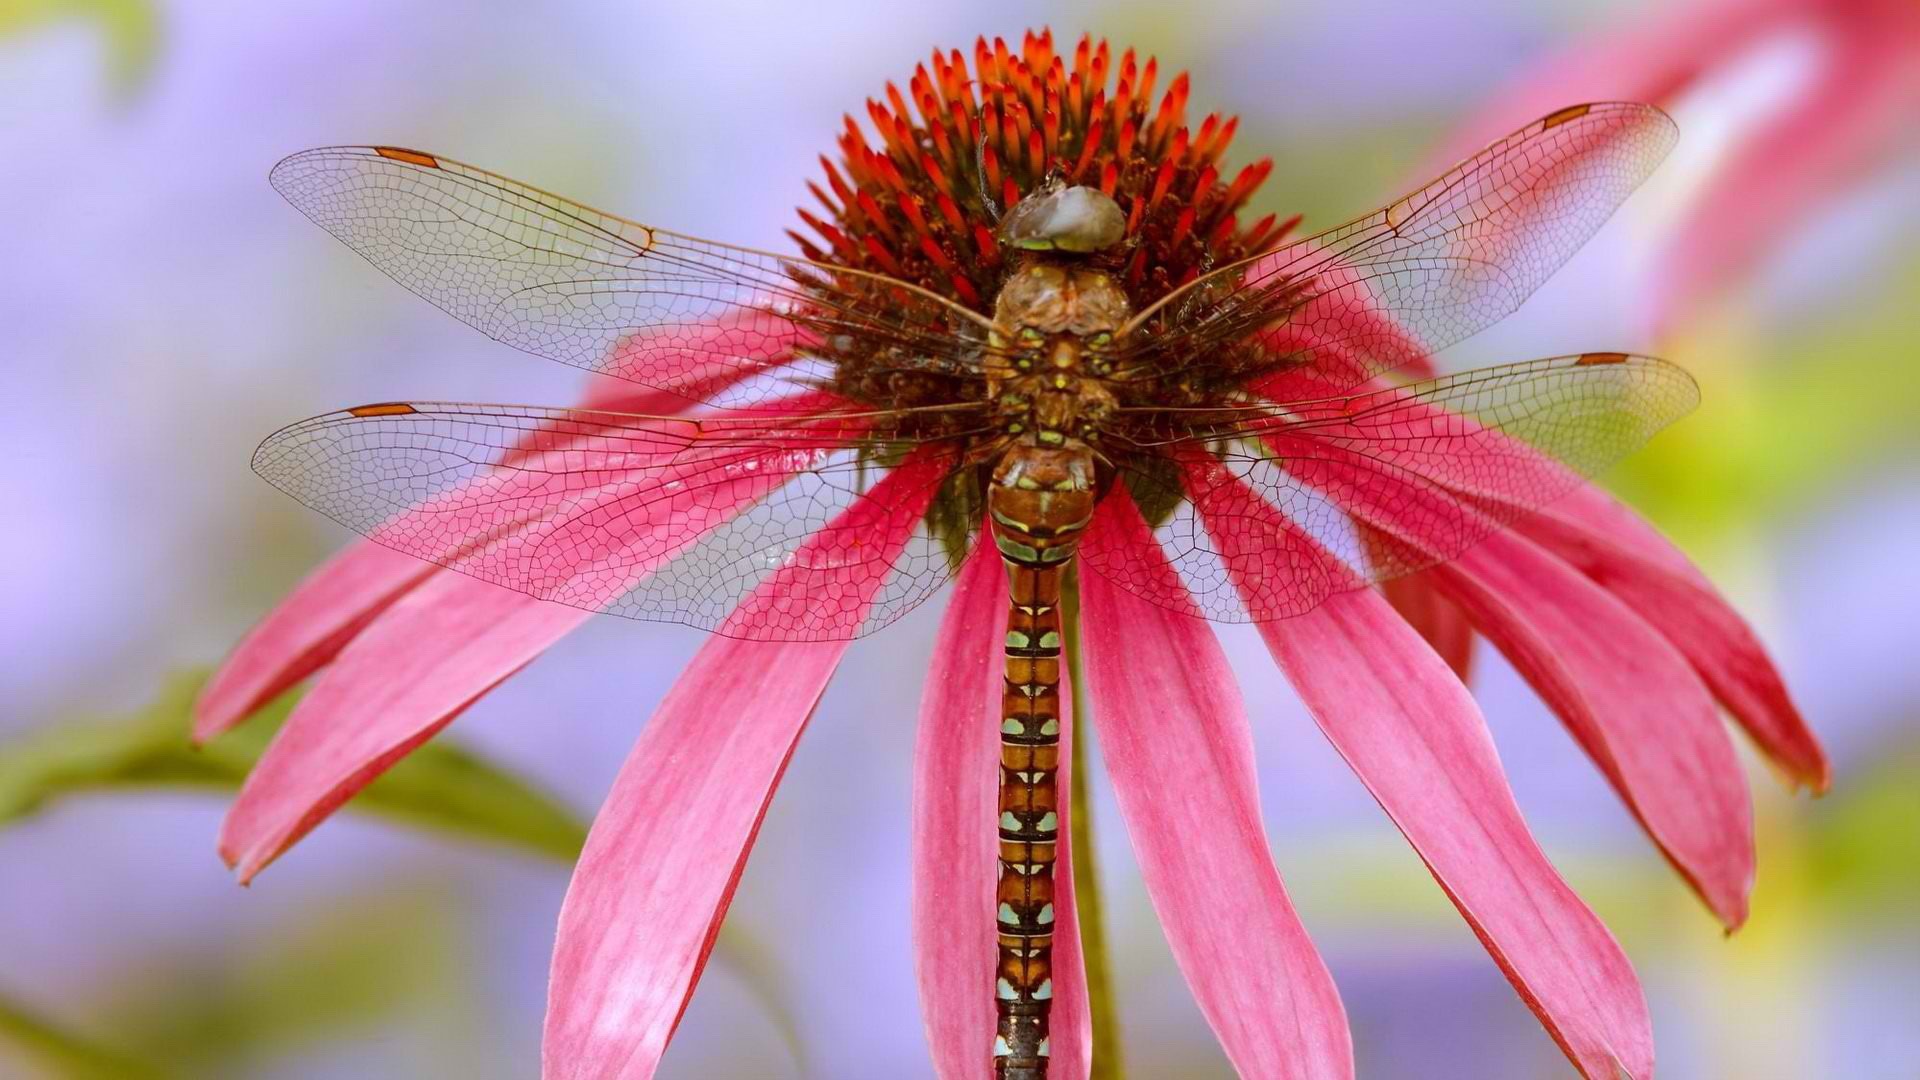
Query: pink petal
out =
(392, 688)
(1625, 557)
(335, 602)
(1329, 345)
(667, 850)
(1847, 118)
(1387, 446)
(1071, 1026)
(1632, 702)
(452, 639)
(956, 763)
(1630, 699)
(704, 357)
(1276, 567)
(1594, 509)
(825, 587)
(1324, 344)
(304, 631)
(668, 847)
(956, 773)
(1175, 739)
(608, 394)
(584, 513)
(1586, 527)
(1437, 619)
(1854, 114)
(1413, 735)
(1645, 59)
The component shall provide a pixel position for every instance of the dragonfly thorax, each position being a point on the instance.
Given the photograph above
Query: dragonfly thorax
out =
(1048, 383)
(1047, 378)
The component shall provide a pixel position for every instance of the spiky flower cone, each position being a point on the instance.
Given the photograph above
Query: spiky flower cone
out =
(959, 147)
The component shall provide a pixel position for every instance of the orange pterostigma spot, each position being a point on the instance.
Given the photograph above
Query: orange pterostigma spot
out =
(391, 408)
(1571, 112)
(411, 157)
(1601, 358)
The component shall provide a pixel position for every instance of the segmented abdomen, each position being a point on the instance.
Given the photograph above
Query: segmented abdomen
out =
(1040, 499)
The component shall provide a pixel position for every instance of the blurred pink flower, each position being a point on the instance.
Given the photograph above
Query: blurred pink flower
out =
(1851, 106)
(1615, 629)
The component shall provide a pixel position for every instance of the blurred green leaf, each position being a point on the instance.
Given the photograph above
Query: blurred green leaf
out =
(131, 29)
(354, 963)
(351, 964)
(439, 786)
(64, 1054)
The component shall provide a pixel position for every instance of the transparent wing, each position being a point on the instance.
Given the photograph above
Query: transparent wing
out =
(1311, 498)
(647, 517)
(596, 291)
(1435, 267)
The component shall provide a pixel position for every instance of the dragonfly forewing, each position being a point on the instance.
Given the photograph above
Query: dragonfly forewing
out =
(1391, 288)
(562, 280)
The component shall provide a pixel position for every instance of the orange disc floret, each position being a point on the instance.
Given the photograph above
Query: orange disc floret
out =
(959, 146)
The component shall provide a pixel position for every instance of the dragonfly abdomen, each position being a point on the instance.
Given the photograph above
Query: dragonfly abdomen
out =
(1040, 500)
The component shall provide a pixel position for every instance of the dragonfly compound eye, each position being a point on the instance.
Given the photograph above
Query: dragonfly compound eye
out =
(1079, 220)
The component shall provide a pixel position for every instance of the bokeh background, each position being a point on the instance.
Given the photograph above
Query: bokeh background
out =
(161, 309)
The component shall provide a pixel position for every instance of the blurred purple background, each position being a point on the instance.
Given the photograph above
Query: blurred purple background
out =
(161, 310)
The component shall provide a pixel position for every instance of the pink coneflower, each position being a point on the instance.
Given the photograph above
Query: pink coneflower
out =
(1830, 89)
(1030, 333)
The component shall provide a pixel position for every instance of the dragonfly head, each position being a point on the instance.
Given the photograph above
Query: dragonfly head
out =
(1073, 220)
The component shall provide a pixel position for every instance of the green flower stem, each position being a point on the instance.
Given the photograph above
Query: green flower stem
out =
(1088, 902)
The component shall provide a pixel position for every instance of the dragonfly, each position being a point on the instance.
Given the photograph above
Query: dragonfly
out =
(811, 448)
